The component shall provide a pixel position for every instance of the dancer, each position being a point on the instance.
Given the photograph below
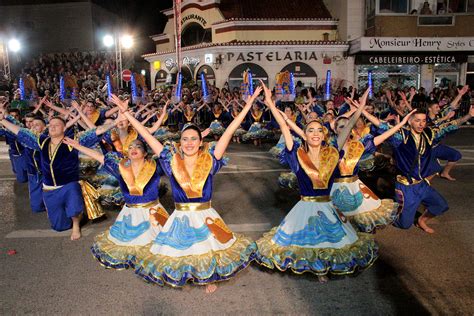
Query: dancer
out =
(195, 245)
(313, 237)
(350, 195)
(414, 159)
(142, 216)
(60, 168)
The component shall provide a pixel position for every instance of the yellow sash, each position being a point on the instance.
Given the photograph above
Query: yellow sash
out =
(257, 118)
(192, 185)
(123, 148)
(328, 158)
(94, 116)
(352, 154)
(136, 185)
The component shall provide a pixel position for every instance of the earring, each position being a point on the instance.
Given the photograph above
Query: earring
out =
(181, 153)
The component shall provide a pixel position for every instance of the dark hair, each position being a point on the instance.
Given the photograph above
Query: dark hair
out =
(30, 115)
(39, 118)
(193, 127)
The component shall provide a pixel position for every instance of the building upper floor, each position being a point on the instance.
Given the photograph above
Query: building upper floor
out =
(226, 21)
(419, 18)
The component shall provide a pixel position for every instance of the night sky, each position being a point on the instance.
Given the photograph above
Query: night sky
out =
(142, 17)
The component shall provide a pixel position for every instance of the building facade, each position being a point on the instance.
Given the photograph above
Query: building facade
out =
(224, 38)
(417, 43)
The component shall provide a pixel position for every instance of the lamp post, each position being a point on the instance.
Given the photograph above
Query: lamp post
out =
(119, 42)
(14, 46)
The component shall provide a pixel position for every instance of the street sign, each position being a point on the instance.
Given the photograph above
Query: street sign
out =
(126, 75)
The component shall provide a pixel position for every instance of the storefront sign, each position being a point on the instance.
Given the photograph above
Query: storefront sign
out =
(416, 43)
(409, 59)
(190, 61)
(195, 17)
(272, 56)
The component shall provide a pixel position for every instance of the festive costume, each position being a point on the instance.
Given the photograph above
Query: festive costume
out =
(414, 159)
(140, 219)
(60, 169)
(313, 237)
(195, 245)
(217, 126)
(352, 197)
(256, 131)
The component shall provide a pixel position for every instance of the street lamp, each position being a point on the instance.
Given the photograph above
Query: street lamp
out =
(14, 46)
(122, 42)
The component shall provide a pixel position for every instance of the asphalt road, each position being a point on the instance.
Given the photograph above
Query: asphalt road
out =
(416, 273)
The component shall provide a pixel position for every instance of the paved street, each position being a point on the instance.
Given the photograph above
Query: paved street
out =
(416, 273)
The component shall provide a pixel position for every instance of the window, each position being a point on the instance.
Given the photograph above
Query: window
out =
(470, 6)
(393, 6)
(194, 34)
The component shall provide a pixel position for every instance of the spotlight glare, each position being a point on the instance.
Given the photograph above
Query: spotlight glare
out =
(14, 45)
(108, 40)
(127, 41)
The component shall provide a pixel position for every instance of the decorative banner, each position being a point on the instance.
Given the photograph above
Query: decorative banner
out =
(176, 98)
(249, 74)
(327, 95)
(22, 89)
(109, 88)
(371, 93)
(134, 88)
(205, 93)
(177, 21)
(62, 90)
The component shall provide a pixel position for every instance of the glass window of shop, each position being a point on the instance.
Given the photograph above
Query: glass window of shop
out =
(388, 76)
(470, 72)
(446, 75)
(420, 7)
(236, 75)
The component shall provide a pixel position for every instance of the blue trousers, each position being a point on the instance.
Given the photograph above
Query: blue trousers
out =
(62, 204)
(410, 197)
(35, 188)
(19, 167)
(444, 152)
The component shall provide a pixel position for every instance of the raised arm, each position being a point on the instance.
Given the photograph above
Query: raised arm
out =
(86, 151)
(293, 125)
(158, 123)
(223, 142)
(457, 99)
(342, 137)
(58, 109)
(384, 136)
(155, 145)
(84, 117)
(285, 130)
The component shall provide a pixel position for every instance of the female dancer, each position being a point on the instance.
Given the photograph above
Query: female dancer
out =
(195, 245)
(350, 195)
(142, 216)
(313, 237)
(217, 126)
(256, 132)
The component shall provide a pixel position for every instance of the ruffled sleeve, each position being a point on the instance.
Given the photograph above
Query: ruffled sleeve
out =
(368, 142)
(29, 139)
(165, 158)
(396, 139)
(216, 164)
(290, 157)
(111, 164)
(89, 138)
